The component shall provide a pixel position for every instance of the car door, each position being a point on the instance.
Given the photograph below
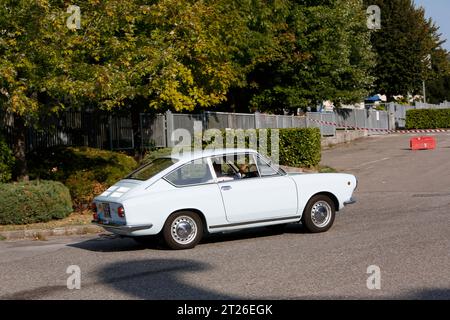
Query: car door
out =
(195, 188)
(251, 196)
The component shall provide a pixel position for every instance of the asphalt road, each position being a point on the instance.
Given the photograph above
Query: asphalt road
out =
(401, 224)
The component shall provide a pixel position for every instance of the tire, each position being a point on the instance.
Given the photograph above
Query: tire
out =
(319, 214)
(183, 230)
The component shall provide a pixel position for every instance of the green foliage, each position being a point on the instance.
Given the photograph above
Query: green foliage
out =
(6, 161)
(406, 39)
(428, 119)
(182, 54)
(157, 153)
(300, 147)
(297, 147)
(85, 171)
(324, 53)
(438, 85)
(38, 201)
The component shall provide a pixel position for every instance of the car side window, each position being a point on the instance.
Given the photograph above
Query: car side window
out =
(224, 171)
(265, 169)
(235, 167)
(194, 173)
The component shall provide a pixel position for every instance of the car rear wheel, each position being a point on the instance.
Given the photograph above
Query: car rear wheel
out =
(183, 230)
(319, 214)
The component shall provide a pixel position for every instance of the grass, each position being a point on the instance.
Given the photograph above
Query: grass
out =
(2, 238)
(326, 169)
(74, 219)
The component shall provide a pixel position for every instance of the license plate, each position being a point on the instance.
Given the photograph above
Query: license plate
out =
(106, 210)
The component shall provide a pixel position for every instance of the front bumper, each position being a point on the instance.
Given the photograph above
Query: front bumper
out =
(123, 228)
(350, 202)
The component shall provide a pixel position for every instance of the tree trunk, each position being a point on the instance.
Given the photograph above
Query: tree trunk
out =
(19, 149)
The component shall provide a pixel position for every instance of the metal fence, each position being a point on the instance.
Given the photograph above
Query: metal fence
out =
(75, 128)
(375, 122)
(443, 105)
(317, 120)
(117, 132)
(152, 130)
(399, 111)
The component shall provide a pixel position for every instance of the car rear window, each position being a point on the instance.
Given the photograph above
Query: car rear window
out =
(151, 169)
(194, 173)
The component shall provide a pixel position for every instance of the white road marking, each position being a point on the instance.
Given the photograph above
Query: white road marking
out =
(369, 163)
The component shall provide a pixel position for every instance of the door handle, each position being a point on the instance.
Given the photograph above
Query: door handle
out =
(226, 188)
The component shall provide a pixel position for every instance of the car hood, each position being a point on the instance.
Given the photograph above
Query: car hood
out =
(120, 189)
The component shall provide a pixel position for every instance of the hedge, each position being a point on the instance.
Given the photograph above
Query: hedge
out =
(299, 147)
(428, 119)
(6, 162)
(32, 202)
(87, 172)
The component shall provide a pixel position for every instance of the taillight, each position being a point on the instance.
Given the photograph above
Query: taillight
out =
(121, 212)
(94, 207)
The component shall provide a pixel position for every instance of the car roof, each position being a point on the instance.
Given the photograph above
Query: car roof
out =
(199, 154)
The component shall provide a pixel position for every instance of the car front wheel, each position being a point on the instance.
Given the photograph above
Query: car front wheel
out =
(319, 214)
(183, 230)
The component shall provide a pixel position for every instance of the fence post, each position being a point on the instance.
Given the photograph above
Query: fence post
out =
(335, 124)
(365, 121)
(141, 130)
(392, 117)
(169, 129)
(230, 121)
(257, 120)
(110, 132)
(205, 119)
(322, 130)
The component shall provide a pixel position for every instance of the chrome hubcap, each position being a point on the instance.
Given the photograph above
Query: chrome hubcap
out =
(184, 230)
(321, 214)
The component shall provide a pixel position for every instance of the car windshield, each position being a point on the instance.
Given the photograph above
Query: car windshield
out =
(151, 169)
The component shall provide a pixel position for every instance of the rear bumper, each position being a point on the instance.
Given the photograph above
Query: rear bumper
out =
(350, 202)
(123, 228)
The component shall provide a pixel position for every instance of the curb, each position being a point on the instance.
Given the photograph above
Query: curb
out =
(41, 234)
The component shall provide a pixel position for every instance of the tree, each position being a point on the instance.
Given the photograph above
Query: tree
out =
(323, 53)
(438, 84)
(29, 59)
(403, 46)
(169, 54)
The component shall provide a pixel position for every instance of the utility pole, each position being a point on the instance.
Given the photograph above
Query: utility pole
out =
(424, 93)
(429, 65)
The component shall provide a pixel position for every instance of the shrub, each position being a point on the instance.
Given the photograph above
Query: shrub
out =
(32, 202)
(6, 162)
(298, 147)
(428, 119)
(85, 171)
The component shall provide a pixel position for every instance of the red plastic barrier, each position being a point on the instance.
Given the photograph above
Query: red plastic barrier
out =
(423, 143)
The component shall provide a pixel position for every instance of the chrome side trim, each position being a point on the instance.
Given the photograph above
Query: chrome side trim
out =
(254, 222)
(123, 227)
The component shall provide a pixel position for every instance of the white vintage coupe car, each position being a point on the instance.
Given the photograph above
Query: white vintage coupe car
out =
(181, 198)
